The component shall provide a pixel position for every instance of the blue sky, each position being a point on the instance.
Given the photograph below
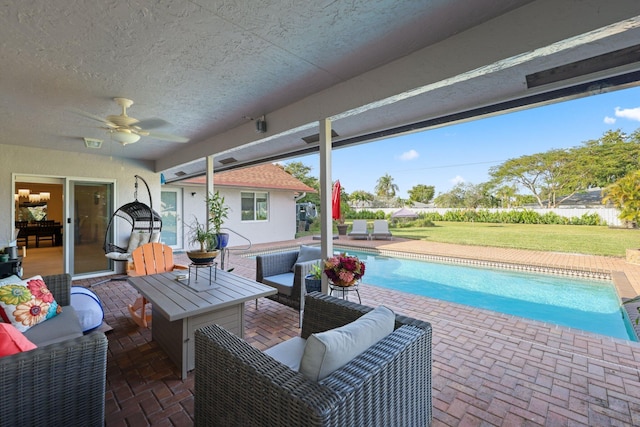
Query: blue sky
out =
(465, 152)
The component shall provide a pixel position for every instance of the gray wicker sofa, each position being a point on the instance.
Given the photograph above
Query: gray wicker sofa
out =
(62, 382)
(282, 271)
(387, 385)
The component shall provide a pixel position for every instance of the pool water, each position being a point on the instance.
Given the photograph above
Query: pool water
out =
(590, 305)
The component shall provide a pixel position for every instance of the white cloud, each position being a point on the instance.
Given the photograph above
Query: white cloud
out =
(409, 155)
(457, 180)
(628, 113)
(609, 120)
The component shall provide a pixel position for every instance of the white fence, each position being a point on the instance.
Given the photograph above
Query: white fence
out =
(608, 215)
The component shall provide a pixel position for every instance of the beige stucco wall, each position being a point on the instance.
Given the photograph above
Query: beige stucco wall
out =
(60, 164)
(280, 226)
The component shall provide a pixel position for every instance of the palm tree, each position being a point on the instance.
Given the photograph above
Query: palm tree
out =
(625, 195)
(385, 188)
(359, 197)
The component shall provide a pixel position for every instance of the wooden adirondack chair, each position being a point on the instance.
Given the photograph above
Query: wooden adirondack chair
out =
(150, 258)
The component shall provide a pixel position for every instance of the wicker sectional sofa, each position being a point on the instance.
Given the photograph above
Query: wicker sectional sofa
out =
(62, 381)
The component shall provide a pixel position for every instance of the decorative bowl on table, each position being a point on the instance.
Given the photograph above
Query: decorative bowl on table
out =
(199, 257)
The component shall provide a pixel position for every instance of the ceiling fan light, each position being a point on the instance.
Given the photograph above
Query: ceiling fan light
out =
(125, 137)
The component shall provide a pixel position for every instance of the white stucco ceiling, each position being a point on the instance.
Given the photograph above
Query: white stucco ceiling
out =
(209, 67)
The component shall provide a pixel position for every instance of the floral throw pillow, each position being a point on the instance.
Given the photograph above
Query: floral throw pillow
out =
(25, 303)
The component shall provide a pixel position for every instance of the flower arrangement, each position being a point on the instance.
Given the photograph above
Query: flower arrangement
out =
(344, 270)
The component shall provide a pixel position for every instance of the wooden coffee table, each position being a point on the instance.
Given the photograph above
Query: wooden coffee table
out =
(179, 308)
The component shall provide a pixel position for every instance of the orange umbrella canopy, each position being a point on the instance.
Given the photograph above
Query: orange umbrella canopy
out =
(335, 201)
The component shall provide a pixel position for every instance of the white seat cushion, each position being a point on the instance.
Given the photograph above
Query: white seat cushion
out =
(117, 256)
(288, 352)
(327, 351)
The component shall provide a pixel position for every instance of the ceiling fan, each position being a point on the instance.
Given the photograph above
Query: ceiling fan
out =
(127, 130)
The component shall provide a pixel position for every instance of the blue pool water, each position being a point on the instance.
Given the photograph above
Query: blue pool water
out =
(589, 305)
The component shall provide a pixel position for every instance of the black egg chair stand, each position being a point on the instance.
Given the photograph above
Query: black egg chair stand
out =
(141, 218)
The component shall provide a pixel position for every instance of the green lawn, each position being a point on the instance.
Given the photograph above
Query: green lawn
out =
(555, 238)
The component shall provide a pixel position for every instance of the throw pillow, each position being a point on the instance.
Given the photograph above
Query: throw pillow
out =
(25, 303)
(328, 351)
(137, 238)
(12, 341)
(307, 253)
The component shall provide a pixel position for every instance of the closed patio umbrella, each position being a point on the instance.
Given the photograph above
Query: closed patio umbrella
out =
(335, 201)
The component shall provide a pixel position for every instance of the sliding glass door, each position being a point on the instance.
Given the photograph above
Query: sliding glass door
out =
(171, 201)
(90, 208)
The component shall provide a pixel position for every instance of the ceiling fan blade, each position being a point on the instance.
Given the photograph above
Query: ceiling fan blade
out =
(93, 117)
(88, 115)
(165, 136)
(151, 123)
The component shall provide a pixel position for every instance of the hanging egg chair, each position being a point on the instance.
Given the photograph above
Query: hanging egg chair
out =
(144, 222)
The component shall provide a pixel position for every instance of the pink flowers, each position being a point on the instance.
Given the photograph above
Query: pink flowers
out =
(39, 290)
(344, 270)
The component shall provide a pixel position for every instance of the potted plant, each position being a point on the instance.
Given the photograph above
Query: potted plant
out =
(218, 212)
(344, 270)
(313, 280)
(342, 227)
(207, 240)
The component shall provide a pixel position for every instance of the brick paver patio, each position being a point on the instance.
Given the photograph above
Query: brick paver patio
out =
(488, 368)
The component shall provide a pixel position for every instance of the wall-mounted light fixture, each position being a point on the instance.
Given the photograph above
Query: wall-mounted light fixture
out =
(45, 195)
(24, 192)
(34, 198)
(261, 125)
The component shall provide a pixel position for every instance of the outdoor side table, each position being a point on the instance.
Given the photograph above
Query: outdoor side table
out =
(343, 291)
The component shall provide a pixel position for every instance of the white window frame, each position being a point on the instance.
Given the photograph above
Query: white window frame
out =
(255, 205)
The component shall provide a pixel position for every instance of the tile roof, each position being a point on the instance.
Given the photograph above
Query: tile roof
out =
(262, 176)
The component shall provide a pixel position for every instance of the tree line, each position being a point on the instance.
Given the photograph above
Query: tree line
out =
(547, 179)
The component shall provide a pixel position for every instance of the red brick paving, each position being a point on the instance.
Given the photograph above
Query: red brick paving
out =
(489, 369)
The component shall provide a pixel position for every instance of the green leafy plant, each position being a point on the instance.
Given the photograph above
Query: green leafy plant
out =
(199, 234)
(218, 211)
(316, 272)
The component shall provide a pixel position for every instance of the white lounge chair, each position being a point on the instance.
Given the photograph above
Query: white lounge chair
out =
(359, 229)
(381, 229)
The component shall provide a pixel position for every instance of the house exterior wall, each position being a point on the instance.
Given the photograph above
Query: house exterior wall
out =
(281, 224)
(61, 164)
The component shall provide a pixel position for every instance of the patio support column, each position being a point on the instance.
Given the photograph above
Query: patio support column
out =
(326, 226)
(209, 186)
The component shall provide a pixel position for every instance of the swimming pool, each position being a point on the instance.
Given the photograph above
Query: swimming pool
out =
(591, 305)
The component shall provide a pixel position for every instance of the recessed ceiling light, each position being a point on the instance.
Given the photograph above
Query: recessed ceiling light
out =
(92, 143)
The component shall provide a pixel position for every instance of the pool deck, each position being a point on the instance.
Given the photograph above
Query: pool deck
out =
(488, 368)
